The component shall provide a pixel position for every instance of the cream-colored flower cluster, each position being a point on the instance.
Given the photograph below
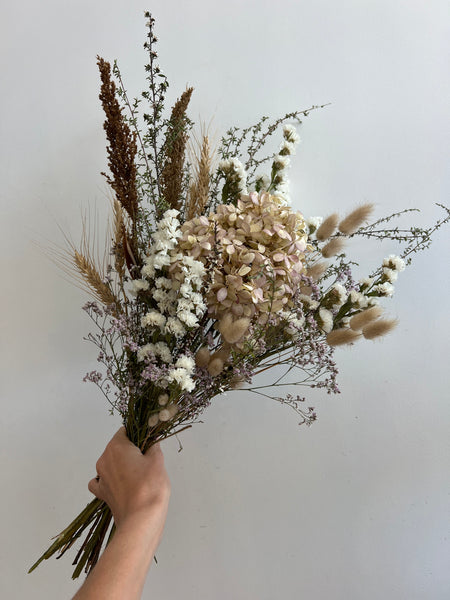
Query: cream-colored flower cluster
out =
(255, 251)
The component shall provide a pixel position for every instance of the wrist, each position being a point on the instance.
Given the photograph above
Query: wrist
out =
(144, 519)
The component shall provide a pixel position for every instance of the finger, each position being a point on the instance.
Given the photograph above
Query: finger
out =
(94, 487)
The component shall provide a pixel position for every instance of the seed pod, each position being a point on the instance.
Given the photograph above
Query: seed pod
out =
(164, 415)
(153, 420)
(163, 399)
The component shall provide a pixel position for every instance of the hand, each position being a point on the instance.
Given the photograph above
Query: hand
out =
(131, 483)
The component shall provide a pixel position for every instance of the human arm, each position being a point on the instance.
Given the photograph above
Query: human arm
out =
(136, 488)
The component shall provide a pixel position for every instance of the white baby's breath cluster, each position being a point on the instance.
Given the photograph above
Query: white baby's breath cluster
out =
(178, 300)
(174, 281)
(164, 239)
(183, 372)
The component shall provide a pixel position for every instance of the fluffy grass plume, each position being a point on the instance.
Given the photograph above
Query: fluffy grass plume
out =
(333, 247)
(378, 328)
(340, 337)
(355, 219)
(327, 228)
(365, 317)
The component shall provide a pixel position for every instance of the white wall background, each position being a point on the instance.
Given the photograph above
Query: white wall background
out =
(358, 505)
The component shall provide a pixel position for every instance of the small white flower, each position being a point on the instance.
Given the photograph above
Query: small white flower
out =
(163, 282)
(358, 299)
(264, 181)
(366, 282)
(341, 293)
(148, 270)
(145, 351)
(282, 196)
(385, 289)
(394, 262)
(295, 326)
(163, 399)
(290, 133)
(161, 260)
(175, 326)
(390, 274)
(326, 319)
(281, 162)
(171, 213)
(153, 420)
(163, 351)
(373, 301)
(308, 302)
(314, 223)
(288, 147)
(182, 377)
(164, 415)
(186, 362)
(153, 319)
(188, 318)
(185, 304)
(138, 285)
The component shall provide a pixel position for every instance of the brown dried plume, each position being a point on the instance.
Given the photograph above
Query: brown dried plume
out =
(122, 144)
(175, 147)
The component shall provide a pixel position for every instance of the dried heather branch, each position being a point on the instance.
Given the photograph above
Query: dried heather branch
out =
(175, 146)
(122, 145)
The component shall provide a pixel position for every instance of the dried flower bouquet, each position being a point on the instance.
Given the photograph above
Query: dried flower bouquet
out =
(212, 277)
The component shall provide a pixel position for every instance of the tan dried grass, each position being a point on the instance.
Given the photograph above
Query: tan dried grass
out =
(327, 228)
(340, 337)
(333, 247)
(365, 317)
(199, 189)
(379, 328)
(355, 219)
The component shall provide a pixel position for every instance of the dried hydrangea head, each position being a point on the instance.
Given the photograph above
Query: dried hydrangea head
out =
(257, 250)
